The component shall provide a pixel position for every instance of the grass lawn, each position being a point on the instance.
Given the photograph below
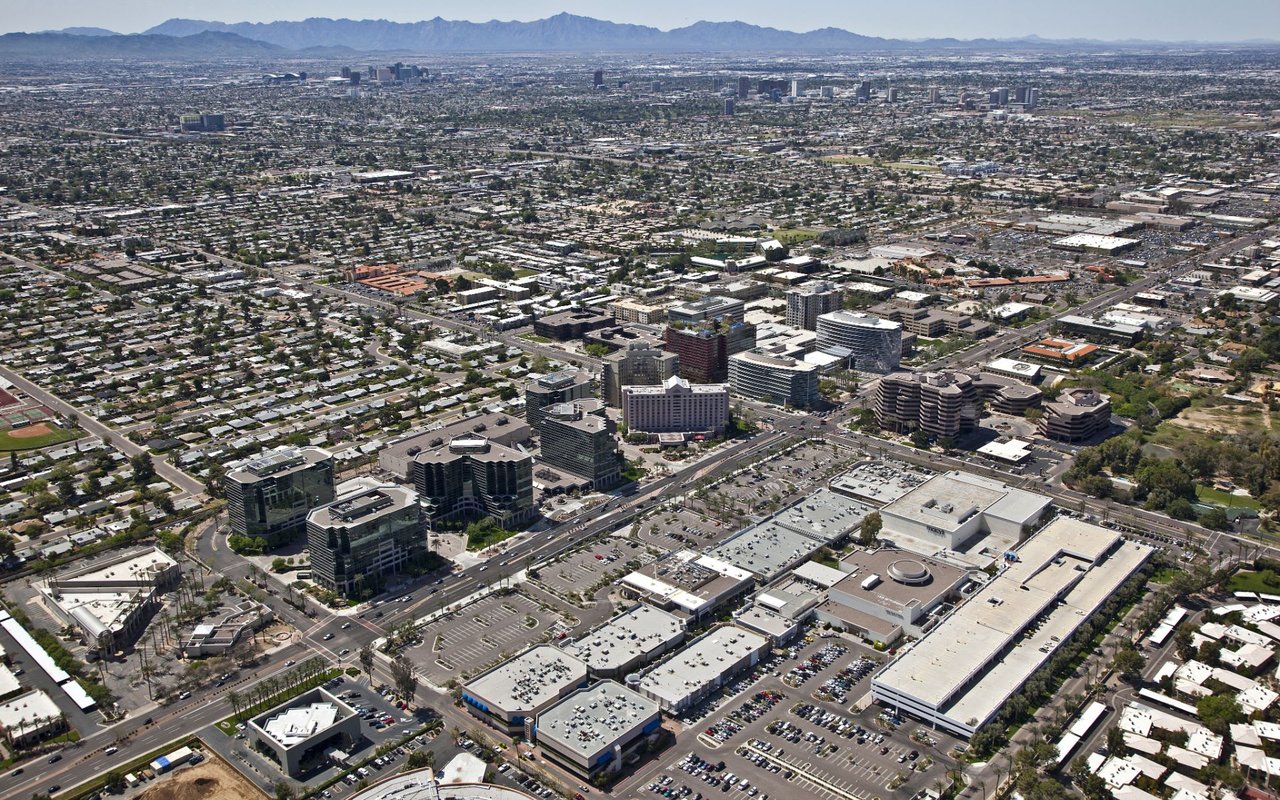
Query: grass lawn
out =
(1208, 494)
(912, 166)
(1264, 581)
(1165, 575)
(790, 236)
(481, 536)
(524, 272)
(533, 337)
(861, 160)
(55, 435)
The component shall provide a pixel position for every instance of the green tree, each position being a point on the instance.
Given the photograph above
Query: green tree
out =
(1216, 519)
(870, 529)
(1219, 713)
(366, 658)
(1129, 663)
(144, 471)
(404, 678)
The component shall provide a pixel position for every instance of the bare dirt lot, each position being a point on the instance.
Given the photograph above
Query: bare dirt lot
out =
(213, 779)
(31, 431)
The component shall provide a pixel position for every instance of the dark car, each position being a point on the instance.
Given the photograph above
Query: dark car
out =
(55, 758)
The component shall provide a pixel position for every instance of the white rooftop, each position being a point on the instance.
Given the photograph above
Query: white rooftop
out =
(298, 724)
(969, 664)
(593, 719)
(530, 680)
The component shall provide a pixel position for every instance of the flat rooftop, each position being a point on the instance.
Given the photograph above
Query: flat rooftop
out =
(593, 719)
(824, 515)
(362, 506)
(140, 567)
(969, 664)
(879, 482)
(771, 546)
(530, 680)
(906, 579)
(951, 499)
(296, 725)
(637, 633)
(276, 463)
(28, 709)
(701, 663)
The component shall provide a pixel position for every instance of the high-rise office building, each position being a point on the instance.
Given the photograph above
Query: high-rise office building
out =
(935, 95)
(805, 303)
(472, 477)
(676, 407)
(636, 365)
(797, 87)
(942, 404)
(1033, 98)
(863, 93)
(360, 538)
(597, 78)
(771, 85)
(728, 107)
(873, 344)
(268, 496)
(774, 379)
(891, 95)
(744, 88)
(558, 387)
(704, 351)
(579, 439)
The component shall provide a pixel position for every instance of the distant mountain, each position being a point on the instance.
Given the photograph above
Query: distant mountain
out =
(146, 45)
(568, 32)
(562, 32)
(85, 32)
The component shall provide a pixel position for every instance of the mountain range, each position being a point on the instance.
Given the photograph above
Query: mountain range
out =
(73, 46)
(559, 33)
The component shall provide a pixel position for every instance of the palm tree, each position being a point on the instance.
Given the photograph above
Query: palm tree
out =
(234, 698)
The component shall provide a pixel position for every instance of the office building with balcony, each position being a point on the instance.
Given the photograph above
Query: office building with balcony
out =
(1077, 415)
(577, 438)
(942, 404)
(637, 364)
(270, 495)
(676, 406)
(774, 379)
(564, 386)
(873, 344)
(362, 537)
(472, 477)
(807, 302)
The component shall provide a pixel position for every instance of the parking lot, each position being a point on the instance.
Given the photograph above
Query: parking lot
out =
(577, 572)
(682, 529)
(797, 731)
(770, 485)
(467, 641)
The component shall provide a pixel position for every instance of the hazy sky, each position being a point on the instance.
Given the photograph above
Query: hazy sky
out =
(1098, 19)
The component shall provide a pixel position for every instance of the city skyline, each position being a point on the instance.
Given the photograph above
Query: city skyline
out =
(1179, 20)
